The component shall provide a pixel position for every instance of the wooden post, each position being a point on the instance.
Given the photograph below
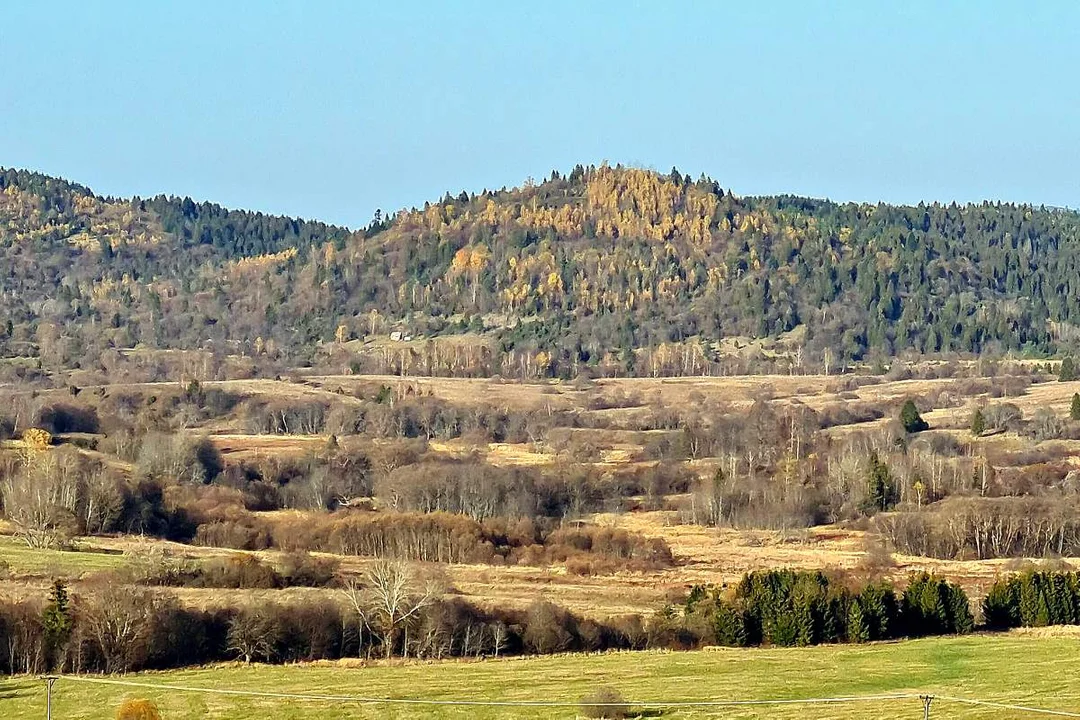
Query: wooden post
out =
(927, 699)
(49, 680)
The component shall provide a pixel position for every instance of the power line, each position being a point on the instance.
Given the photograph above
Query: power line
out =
(1005, 706)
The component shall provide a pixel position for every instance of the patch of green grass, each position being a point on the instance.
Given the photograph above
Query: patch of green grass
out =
(1010, 668)
(23, 560)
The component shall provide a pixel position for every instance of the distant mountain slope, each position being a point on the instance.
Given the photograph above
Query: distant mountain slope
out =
(580, 269)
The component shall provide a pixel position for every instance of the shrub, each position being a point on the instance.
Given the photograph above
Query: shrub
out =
(604, 702)
(240, 571)
(306, 570)
(37, 438)
(62, 418)
(1067, 373)
(138, 709)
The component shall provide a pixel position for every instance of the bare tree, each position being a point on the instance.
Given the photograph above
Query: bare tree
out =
(254, 633)
(40, 498)
(392, 594)
(102, 501)
(500, 636)
(120, 620)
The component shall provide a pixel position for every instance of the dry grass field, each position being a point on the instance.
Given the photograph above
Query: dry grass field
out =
(703, 556)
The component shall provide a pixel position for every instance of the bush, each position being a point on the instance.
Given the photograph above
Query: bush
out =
(306, 570)
(240, 571)
(61, 418)
(138, 709)
(605, 702)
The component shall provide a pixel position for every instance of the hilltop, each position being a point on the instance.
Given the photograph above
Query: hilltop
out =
(622, 270)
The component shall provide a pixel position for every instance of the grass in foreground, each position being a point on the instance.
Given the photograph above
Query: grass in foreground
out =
(1010, 668)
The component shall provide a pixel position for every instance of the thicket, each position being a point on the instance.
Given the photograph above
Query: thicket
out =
(124, 628)
(109, 627)
(442, 538)
(982, 528)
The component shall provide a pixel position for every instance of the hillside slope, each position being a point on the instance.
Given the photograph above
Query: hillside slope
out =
(584, 269)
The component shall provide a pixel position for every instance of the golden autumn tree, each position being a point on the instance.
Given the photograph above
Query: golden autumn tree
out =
(469, 262)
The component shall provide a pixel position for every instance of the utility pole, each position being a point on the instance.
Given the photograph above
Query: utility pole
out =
(927, 699)
(49, 680)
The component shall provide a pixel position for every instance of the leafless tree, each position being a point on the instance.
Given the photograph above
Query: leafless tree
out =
(40, 498)
(254, 633)
(500, 636)
(120, 620)
(390, 596)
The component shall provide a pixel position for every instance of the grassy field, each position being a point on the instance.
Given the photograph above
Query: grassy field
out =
(1035, 669)
(86, 557)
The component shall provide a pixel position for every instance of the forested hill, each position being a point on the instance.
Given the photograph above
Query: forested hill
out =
(622, 269)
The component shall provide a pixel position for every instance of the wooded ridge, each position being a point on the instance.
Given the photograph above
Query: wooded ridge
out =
(617, 269)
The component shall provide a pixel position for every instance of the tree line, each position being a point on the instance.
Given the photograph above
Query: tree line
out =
(394, 611)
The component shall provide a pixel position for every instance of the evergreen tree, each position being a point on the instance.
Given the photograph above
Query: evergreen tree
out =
(858, 628)
(878, 604)
(729, 627)
(1067, 373)
(805, 631)
(57, 622)
(881, 491)
(978, 423)
(1001, 605)
(911, 419)
(1074, 410)
(932, 606)
(961, 621)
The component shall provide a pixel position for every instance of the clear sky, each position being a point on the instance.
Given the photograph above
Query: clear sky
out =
(332, 109)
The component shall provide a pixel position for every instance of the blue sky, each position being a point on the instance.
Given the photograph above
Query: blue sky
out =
(332, 109)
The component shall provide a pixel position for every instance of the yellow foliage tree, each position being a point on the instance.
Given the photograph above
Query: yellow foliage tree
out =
(37, 438)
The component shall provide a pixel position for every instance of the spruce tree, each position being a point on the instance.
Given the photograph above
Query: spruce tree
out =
(1067, 372)
(978, 423)
(729, 627)
(1028, 599)
(56, 621)
(1001, 605)
(911, 419)
(881, 492)
(961, 621)
(858, 630)
(1074, 410)
(803, 612)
